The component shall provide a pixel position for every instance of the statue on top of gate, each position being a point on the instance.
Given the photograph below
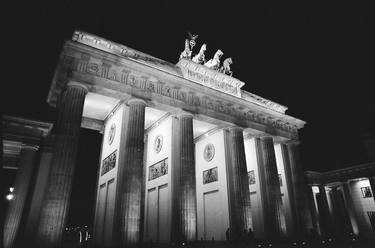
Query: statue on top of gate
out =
(189, 45)
(214, 63)
(199, 58)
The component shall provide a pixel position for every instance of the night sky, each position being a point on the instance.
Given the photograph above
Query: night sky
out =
(316, 57)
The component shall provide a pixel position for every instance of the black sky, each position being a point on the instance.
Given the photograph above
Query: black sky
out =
(316, 57)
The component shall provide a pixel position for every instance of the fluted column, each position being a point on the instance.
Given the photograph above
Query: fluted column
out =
(184, 208)
(372, 185)
(303, 219)
(17, 210)
(39, 189)
(238, 189)
(293, 223)
(59, 184)
(313, 209)
(129, 193)
(325, 216)
(270, 187)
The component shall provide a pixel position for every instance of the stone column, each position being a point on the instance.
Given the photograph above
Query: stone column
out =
(293, 223)
(17, 209)
(313, 210)
(128, 209)
(303, 221)
(184, 206)
(55, 204)
(325, 216)
(356, 213)
(237, 180)
(372, 185)
(270, 187)
(39, 189)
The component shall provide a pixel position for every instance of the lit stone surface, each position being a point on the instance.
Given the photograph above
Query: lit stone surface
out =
(238, 189)
(59, 184)
(184, 215)
(128, 209)
(270, 187)
(302, 214)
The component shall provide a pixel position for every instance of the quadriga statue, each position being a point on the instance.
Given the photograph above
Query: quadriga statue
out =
(199, 58)
(214, 63)
(186, 53)
(226, 66)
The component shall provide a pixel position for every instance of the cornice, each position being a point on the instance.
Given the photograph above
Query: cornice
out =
(80, 62)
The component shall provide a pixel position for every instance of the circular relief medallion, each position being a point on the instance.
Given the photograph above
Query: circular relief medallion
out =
(158, 143)
(209, 152)
(111, 133)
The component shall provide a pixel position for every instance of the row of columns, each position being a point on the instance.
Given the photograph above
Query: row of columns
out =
(345, 215)
(55, 201)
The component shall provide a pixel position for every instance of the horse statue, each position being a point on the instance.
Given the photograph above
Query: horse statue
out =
(214, 63)
(186, 54)
(226, 67)
(199, 58)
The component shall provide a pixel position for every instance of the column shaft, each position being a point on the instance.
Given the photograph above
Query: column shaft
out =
(17, 209)
(300, 201)
(39, 189)
(313, 209)
(270, 187)
(130, 174)
(292, 227)
(372, 185)
(325, 216)
(184, 209)
(237, 180)
(59, 184)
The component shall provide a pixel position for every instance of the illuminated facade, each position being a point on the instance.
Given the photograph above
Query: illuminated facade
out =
(342, 201)
(186, 154)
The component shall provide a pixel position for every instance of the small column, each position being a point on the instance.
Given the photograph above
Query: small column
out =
(303, 220)
(128, 206)
(17, 208)
(270, 187)
(238, 189)
(184, 208)
(313, 209)
(372, 185)
(55, 205)
(325, 216)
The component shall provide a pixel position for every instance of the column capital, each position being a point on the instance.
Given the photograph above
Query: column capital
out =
(134, 101)
(233, 128)
(183, 114)
(77, 85)
(30, 147)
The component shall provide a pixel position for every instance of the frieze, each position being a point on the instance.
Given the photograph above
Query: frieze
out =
(210, 78)
(119, 74)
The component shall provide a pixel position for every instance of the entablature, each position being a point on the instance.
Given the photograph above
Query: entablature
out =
(105, 72)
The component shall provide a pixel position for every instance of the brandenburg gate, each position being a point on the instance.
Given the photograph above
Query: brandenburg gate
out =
(186, 154)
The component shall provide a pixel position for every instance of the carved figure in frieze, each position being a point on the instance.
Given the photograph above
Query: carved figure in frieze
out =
(214, 63)
(186, 53)
(226, 66)
(200, 58)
